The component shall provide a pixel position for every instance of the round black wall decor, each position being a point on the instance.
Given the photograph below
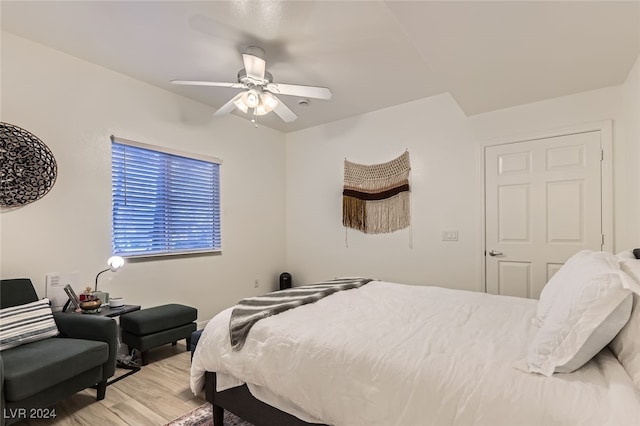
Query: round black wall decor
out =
(27, 167)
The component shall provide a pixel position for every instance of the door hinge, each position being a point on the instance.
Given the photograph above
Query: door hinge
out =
(602, 155)
(602, 239)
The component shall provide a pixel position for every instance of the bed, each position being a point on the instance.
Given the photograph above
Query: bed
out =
(395, 354)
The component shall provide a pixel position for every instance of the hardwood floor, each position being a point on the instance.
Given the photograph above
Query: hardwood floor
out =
(153, 396)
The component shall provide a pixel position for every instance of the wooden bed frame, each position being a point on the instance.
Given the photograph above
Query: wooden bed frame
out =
(240, 402)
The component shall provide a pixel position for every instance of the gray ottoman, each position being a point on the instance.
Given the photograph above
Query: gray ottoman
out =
(149, 328)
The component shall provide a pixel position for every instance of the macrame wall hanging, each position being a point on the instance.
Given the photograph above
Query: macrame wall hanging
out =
(376, 198)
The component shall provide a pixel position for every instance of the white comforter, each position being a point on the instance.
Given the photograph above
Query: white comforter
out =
(391, 354)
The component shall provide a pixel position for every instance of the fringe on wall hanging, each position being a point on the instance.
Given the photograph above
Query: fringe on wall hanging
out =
(376, 198)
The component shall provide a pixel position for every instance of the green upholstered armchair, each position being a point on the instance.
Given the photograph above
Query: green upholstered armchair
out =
(35, 376)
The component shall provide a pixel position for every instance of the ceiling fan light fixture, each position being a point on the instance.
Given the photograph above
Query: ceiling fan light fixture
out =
(241, 105)
(251, 98)
(269, 101)
(260, 110)
(260, 102)
(260, 93)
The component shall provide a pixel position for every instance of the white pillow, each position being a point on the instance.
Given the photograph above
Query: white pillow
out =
(592, 302)
(626, 345)
(26, 323)
(580, 266)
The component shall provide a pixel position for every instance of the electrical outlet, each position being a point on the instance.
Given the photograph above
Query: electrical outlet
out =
(450, 235)
(256, 283)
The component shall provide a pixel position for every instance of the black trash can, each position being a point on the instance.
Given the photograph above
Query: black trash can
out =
(285, 280)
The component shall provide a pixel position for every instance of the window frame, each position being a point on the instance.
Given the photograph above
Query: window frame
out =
(171, 152)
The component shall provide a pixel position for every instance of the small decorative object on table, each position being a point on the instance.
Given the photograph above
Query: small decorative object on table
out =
(73, 299)
(91, 306)
(116, 302)
(86, 295)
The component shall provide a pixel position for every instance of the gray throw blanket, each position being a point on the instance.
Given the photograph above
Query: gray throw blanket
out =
(250, 310)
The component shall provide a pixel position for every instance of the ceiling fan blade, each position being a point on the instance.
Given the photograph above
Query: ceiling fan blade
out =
(284, 112)
(254, 63)
(208, 83)
(228, 107)
(297, 90)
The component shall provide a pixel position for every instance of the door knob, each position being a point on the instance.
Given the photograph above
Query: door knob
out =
(495, 253)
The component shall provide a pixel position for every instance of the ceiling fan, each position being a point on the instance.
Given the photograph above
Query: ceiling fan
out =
(259, 94)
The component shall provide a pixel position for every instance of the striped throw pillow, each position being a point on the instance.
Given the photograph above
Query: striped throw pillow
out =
(26, 323)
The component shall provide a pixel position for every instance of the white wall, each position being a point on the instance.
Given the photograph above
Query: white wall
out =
(443, 161)
(628, 199)
(73, 107)
(444, 147)
(620, 104)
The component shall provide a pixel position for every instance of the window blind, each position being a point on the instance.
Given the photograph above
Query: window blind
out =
(163, 202)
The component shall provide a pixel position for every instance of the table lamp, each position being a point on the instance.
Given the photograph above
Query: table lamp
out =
(115, 263)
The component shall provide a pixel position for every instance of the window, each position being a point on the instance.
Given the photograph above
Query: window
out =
(164, 202)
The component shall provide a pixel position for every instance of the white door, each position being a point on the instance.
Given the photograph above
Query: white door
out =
(543, 203)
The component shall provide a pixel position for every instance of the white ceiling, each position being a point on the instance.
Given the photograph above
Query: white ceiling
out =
(372, 54)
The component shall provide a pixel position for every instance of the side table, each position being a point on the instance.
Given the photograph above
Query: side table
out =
(107, 311)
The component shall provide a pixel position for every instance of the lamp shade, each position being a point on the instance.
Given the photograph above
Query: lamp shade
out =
(115, 263)
(239, 103)
(267, 104)
(251, 98)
